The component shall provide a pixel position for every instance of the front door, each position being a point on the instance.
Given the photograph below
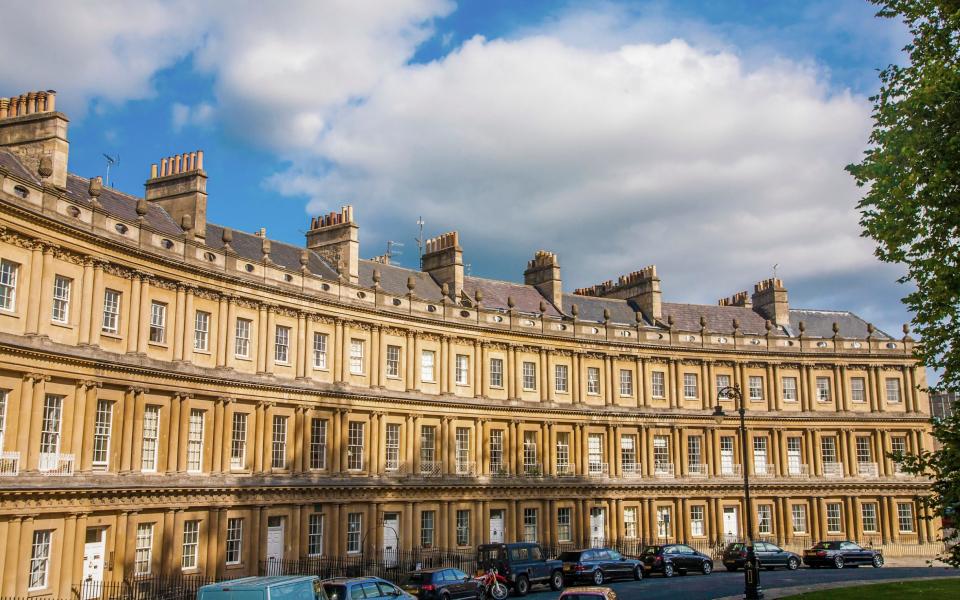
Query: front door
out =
(597, 528)
(731, 530)
(496, 526)
(93, 562)
(391, 539)
(274, 545)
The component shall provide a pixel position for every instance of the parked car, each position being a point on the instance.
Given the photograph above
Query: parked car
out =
(523, 564)
(441, 584)
(840, 554)
(588, 593)
(347, 588)
(598, 565)
(670, 559)
(769, 556)
(264, 588)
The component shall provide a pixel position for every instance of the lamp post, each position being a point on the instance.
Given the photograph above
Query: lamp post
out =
(751, 571)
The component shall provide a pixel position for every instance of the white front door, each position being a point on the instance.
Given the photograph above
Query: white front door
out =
(731, 529)
(496, 526)
(391, 539)
(274, 545)
(597, 528)
(93, 562)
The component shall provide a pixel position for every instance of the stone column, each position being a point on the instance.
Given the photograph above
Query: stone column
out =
(480, 449)
(69, 551)
(674, 381)
(86, 302)
(415, 442)
(133, 396)
(442, 365)
(338, 356)
(576, 377)
(515, 447)
(219, 428)
(259, 428)
(301, 363)
(376, 358)
(344, 439)
(608, 379)
(549, 372)
(480, 364)
(35, 290)
(410, 365)
(143, 326)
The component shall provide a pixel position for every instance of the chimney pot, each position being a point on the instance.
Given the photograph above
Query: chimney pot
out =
(45, 168)
(411, 283)
(478, 296)
(95, 187)
(510, 302)
(186, 222)
(574, 310)
(142, 207)
(227, 235)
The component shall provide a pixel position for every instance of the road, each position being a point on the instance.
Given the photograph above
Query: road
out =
(722, 583)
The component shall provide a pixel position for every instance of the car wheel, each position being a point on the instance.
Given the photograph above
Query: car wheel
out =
(556, 581)
(793, 564)
(668, 570)
(598, 577)
(877, 561)
(445, 596)
(522, 587)
(838, 562)
(707, 568)
(637, 573)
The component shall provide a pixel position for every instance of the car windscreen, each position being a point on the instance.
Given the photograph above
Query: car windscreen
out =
(335, 592)
(569, 556)
(419, 577)
(736, 547)
(827, 546)
(651, 550)
(491, 554)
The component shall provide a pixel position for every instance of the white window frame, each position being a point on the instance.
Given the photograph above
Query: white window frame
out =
(281, 345)
(355, 445)
(798, 518)
(530, 524)
(102, 425)
(143, 553)
(789, 391)
(723, 381)
(496, 451)
(110, 323)
(354, 528)
(834, 518)
(463, 527)
(278, 446)
(241, 338)
(764, 519)
(868, 517)
(427, 528)
(315, 535)
(697, 521)
(319, 350)
(233, 554)
(427, 362)
(529, 376)
(195, 436)
(560, 378)
(905, 515)
(593, 381)
(158, 322)
(60, 312)
(4, 394)
(391, 447)
(51, 422)
(462, 369)
(318, 443)
(691, 387)
(393, 362)
(664, 522)
(190, 545)
(564, 520)
(238, 441)
(630, 522)
(356, 356)
(201, 331)
(858, 389)
(755, 383)
(40, 560)
(151, 439)
(658, 387)
(626, 383)
(823, 389)
(9, 273)
(893, 393)
(496, 373)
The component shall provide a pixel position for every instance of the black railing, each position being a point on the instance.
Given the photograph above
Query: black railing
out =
(142, 588)
(392, 565)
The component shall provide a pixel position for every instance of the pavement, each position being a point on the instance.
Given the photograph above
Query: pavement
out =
(776, 584)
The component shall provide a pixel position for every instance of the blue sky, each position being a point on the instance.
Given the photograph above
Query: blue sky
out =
(706, 137)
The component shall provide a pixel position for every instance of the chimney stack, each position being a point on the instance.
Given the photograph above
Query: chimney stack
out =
(337, 238)
(443, 260)
(770, 300)
(543, 273)
(179, 186)
(641, 287)
(32, 129)
(739, 299)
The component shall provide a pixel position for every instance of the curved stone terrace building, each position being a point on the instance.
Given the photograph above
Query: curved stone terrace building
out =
(180, 397)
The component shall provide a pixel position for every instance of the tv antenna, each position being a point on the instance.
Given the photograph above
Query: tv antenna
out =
(111, 161)
(419, 238)
(392, 250)
(775, 270)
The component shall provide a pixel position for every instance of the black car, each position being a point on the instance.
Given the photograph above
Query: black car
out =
(840, 554)
(769, 556)
(598, 565)
(441, 584)
(523, 564)
(675, 558)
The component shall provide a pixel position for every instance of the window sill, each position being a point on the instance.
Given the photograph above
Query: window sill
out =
(394, 377)
(243, 358)
(10, 313)
(355, 374)
(204, 352)
(65, 325)
(278, 363)
(324, 369)
(113, 335)
(163, 345)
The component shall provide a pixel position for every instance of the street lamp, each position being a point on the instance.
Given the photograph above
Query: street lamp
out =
(751, 571)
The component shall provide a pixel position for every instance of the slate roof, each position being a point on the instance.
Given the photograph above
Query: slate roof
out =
(249, 246)
(819, 323)
(495, 293)
(686, 317)
(13, 164)
(393, 280)
(122, 206)
(590, 308)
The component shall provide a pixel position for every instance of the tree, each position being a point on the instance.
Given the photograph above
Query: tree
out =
(911, 208)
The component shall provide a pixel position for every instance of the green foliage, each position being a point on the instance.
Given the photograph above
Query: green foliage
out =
(933, 589)
(911, 208)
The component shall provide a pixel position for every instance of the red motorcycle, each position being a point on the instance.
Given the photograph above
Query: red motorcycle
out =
(492, 585)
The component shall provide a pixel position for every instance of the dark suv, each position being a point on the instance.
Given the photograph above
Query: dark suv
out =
(523, 564)
(675, 558)
(841, 554)
(769, 556)
(442, 584)
(598, 565)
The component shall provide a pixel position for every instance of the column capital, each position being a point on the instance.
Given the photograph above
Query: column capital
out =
(135, 389)
(225, 400)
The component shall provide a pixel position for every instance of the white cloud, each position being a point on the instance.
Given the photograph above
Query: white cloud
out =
(182, 115)
(647, 153)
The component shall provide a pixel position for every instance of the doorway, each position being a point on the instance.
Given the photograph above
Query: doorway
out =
(496, 526)
(275, 545)
(94, 549)
(598, 529)
(731, 527)
(391, 539)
